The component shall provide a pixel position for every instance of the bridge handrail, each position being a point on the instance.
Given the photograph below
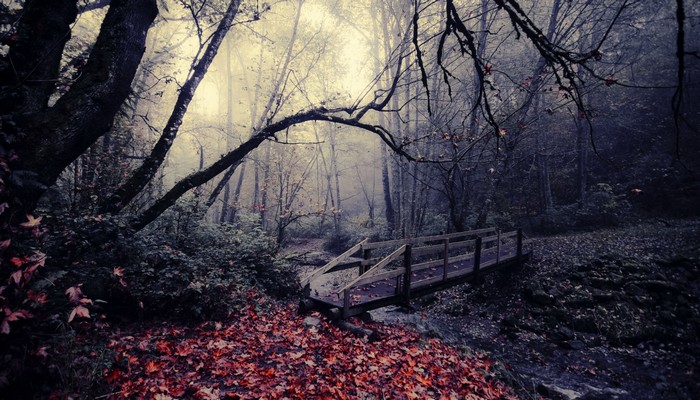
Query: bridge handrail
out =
(388, 243)
(377, 267)
(333, 262)
(375, 273)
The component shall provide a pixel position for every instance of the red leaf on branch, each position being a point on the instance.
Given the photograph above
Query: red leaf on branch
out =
(17, 262)
(16, 277)
(74, 293)
(11, 316)
(38, 298)
(79, 311)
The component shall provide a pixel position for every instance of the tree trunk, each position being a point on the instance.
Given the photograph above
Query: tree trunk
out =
(386, 184)
(58, 136)
(142, 175)
(29, 77)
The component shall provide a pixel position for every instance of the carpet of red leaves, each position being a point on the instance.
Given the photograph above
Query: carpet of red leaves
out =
(266, 352)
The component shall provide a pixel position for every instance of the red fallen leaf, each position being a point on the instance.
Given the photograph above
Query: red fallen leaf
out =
(113, 375)
(163, 347)
(118, 271)
(609, 81)
(31, 222)
(79, 311)
(487, 69)
(152, 367)
(74, 293)
(183, 350)
(5, 243)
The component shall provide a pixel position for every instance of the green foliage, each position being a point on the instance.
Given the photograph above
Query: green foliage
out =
(433, 223)
(603, 208)
(354, 231)
(205, 275)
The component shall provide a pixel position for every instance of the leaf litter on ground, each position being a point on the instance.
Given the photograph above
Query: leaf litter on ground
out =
(266, 352)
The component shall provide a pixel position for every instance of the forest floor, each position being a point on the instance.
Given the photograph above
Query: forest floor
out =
(267, 351)
(609, 314)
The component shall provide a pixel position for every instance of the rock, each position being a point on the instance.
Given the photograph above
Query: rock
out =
(585, 323)
(602, 283)
(366, 317)
(580, 300)
(595, 393)
(554, 391)
(311, 322)
(603, 296)
(657, 286)
(536, 294)
(633, 290)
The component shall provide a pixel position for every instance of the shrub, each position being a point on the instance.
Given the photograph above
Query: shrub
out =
(207, 274)
(354, 231)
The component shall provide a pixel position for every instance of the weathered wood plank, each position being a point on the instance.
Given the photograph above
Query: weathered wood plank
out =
(374, 270)
(334, 262)
(423, 239)
(366, 280)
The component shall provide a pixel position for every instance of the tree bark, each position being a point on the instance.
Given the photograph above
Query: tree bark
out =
(58, 136)
(28, 77)
(142, 175)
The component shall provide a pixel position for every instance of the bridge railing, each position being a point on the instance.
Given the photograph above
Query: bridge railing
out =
(367, 249)
(418, 254)
(401, 264)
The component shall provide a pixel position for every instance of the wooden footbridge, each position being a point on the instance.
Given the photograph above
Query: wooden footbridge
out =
(396, 271)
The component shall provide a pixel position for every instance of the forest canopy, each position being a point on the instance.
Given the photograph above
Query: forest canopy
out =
(157, 154)
(96, 97)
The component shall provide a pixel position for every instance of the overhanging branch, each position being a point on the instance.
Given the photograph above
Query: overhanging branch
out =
(201, 177)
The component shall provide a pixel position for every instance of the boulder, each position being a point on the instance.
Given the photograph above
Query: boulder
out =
(556, 392)
(537, 295)
(311, 322)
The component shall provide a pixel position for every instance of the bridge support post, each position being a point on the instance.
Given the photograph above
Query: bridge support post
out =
(346, 303)
(498, 246)
(477, 259)
(366, 255)
(519, 248)
(407, 275)
(445, 258)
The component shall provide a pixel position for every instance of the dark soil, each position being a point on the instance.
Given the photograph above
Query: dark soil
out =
(611, 314)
